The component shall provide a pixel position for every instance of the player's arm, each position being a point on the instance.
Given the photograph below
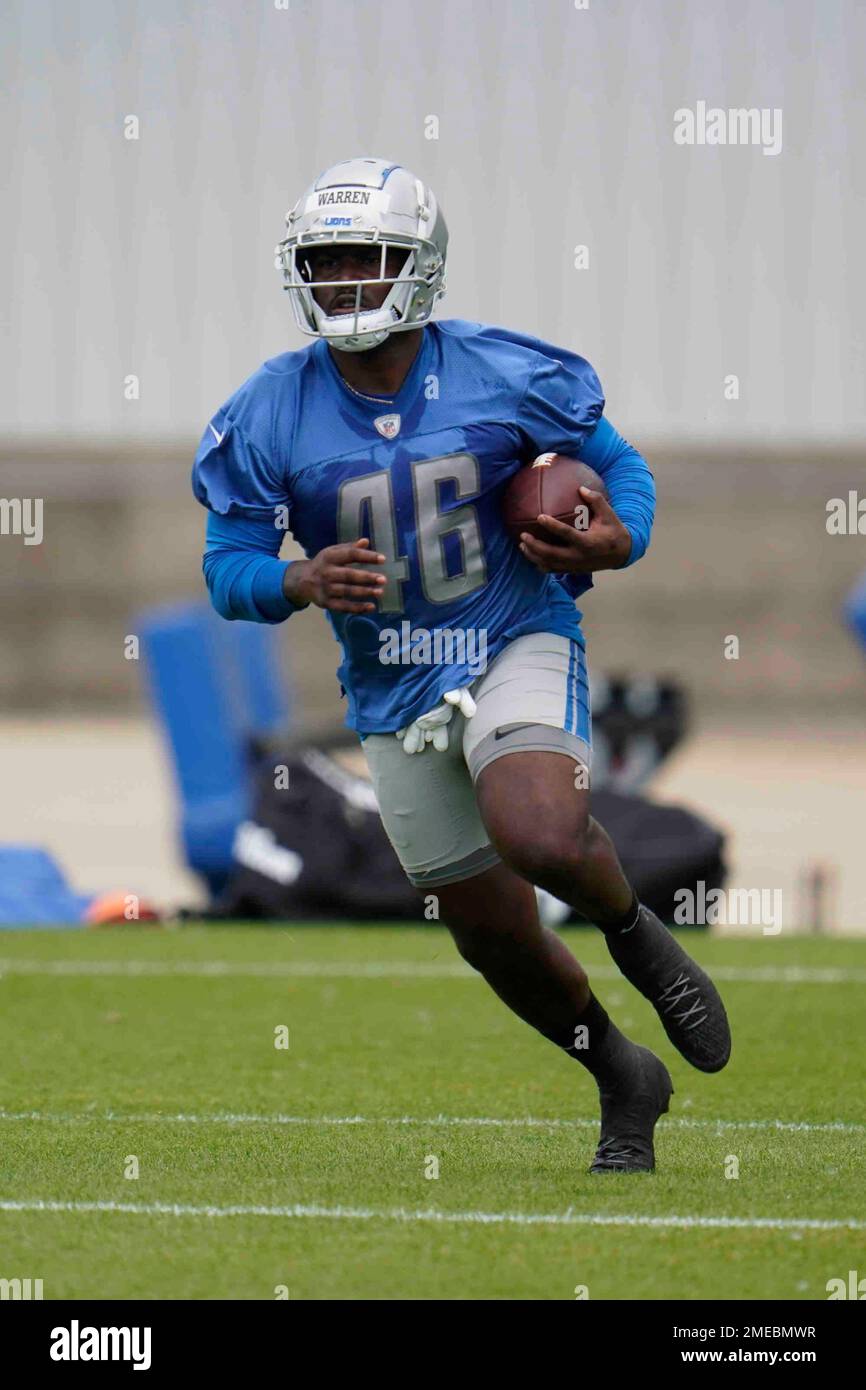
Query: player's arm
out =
(244, 577)
(562, 411)
(630, 484)
(244, 496)
(247, 581)
(249, 505)
(619, 530)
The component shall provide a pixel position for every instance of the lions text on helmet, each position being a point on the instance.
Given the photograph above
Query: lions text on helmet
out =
(364, 254)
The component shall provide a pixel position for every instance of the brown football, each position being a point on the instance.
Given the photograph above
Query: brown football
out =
(549, 485)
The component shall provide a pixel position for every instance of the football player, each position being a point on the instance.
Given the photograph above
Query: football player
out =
(385, 446)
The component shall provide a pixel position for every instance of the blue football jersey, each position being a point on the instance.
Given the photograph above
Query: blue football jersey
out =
(421, 474)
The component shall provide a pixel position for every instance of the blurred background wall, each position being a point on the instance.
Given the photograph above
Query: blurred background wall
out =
(139, 291)
(555, 129)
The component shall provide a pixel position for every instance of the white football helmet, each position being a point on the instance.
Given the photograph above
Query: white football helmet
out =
(366, 201)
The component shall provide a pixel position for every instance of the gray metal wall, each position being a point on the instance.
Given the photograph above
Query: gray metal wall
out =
(154, 256)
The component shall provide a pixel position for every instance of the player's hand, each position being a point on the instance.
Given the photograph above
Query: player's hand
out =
(605, 544)
(340, 577)
(433, 726)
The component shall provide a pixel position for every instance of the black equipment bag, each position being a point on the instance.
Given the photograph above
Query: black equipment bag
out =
(316, 848)
(662, 849)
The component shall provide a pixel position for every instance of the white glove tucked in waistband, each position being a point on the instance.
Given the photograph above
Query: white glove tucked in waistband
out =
(433, 726)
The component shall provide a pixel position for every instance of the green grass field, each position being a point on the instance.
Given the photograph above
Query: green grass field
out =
(159, 1045)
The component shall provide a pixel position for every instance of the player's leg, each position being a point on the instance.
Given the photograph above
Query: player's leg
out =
(533, 795)
(493, 918)
(429, 810)
(539, 822)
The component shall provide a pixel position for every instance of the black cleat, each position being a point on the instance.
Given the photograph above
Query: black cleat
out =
(629, 1115)
(683, 995)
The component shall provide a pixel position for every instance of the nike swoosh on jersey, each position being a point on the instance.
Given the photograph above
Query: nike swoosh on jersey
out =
(503, 733)
(218, 437)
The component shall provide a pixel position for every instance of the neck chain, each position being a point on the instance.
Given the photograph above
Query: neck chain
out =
(377, 400)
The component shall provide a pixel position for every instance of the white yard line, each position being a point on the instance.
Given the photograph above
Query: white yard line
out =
(432, 1121)
(376, 970)
(462, 1218)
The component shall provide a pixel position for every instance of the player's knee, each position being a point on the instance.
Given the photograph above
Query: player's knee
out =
(549, 856)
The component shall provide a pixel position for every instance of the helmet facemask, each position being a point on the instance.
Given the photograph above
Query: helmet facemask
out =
(407, 304)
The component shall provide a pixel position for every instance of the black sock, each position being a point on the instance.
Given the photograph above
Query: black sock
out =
(599, 1046)
(623, 923)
